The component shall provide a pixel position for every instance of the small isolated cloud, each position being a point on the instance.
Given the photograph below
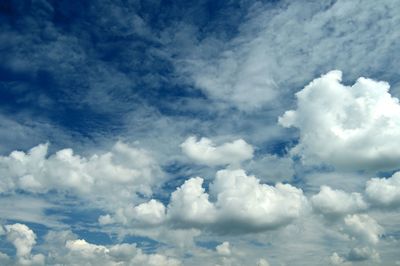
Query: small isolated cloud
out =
(223, 249)
(350, 127)
(384, 191)
(336, 203)
(204, 151)
(262, 262)
(23, 240)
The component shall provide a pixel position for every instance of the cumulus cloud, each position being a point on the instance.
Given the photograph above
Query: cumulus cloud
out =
(331, 202)
(23, 240)
(223, 249)
(204, 151)
(146, 214)
(336, 259)
(66, 249)
(384, 191)
(245, 204)
(80, 251)
(115, 176)
(190, 204)
(350, 127)
(363, 227)
(235, 203)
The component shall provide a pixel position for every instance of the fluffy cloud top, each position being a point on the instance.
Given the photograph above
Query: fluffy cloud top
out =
(363, 227)
(223, 249)
(146, 214)
(332, 202)
(80, 251)
(350, 127)
(190, 204)
(67, 250)
(236, 203)
(115, 176)
(384, 191)
(204, 151)
(23, 240)
(245, 204)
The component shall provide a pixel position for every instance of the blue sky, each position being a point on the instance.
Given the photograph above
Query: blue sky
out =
(199, 132)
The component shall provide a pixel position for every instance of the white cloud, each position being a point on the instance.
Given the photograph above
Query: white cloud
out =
(110, 178)
(350, 127)
(204, 151)
(190, 204)
(384, 191)
(80, 251)
(241, 203)
(23, 240)
(223, 249)
(262, 262)
(149, 213)
(282, 45)
(336, 259)
(65, 249)
(332, 202)
(245, 204)
(363, 227)
(236, 203)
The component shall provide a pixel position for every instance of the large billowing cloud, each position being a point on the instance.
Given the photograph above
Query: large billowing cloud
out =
(204, 151)
(115, 176)
(350, 127)
(235, 203)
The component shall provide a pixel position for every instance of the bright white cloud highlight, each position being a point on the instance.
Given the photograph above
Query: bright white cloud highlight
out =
(350, 127)
(245, 204)
(333, 202)
(384, 191)
(113, 177)
(236, 203)
(223, 249)
(80, 251)
(204, 151)
(363, 227)
(23, 240)
(190, 204)
(146, 214)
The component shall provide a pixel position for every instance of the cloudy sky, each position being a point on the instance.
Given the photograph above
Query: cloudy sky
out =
(157, 132)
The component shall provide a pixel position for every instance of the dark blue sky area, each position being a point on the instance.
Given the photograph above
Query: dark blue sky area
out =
(84, 64)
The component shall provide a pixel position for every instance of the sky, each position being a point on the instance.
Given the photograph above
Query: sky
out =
(203, 132)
